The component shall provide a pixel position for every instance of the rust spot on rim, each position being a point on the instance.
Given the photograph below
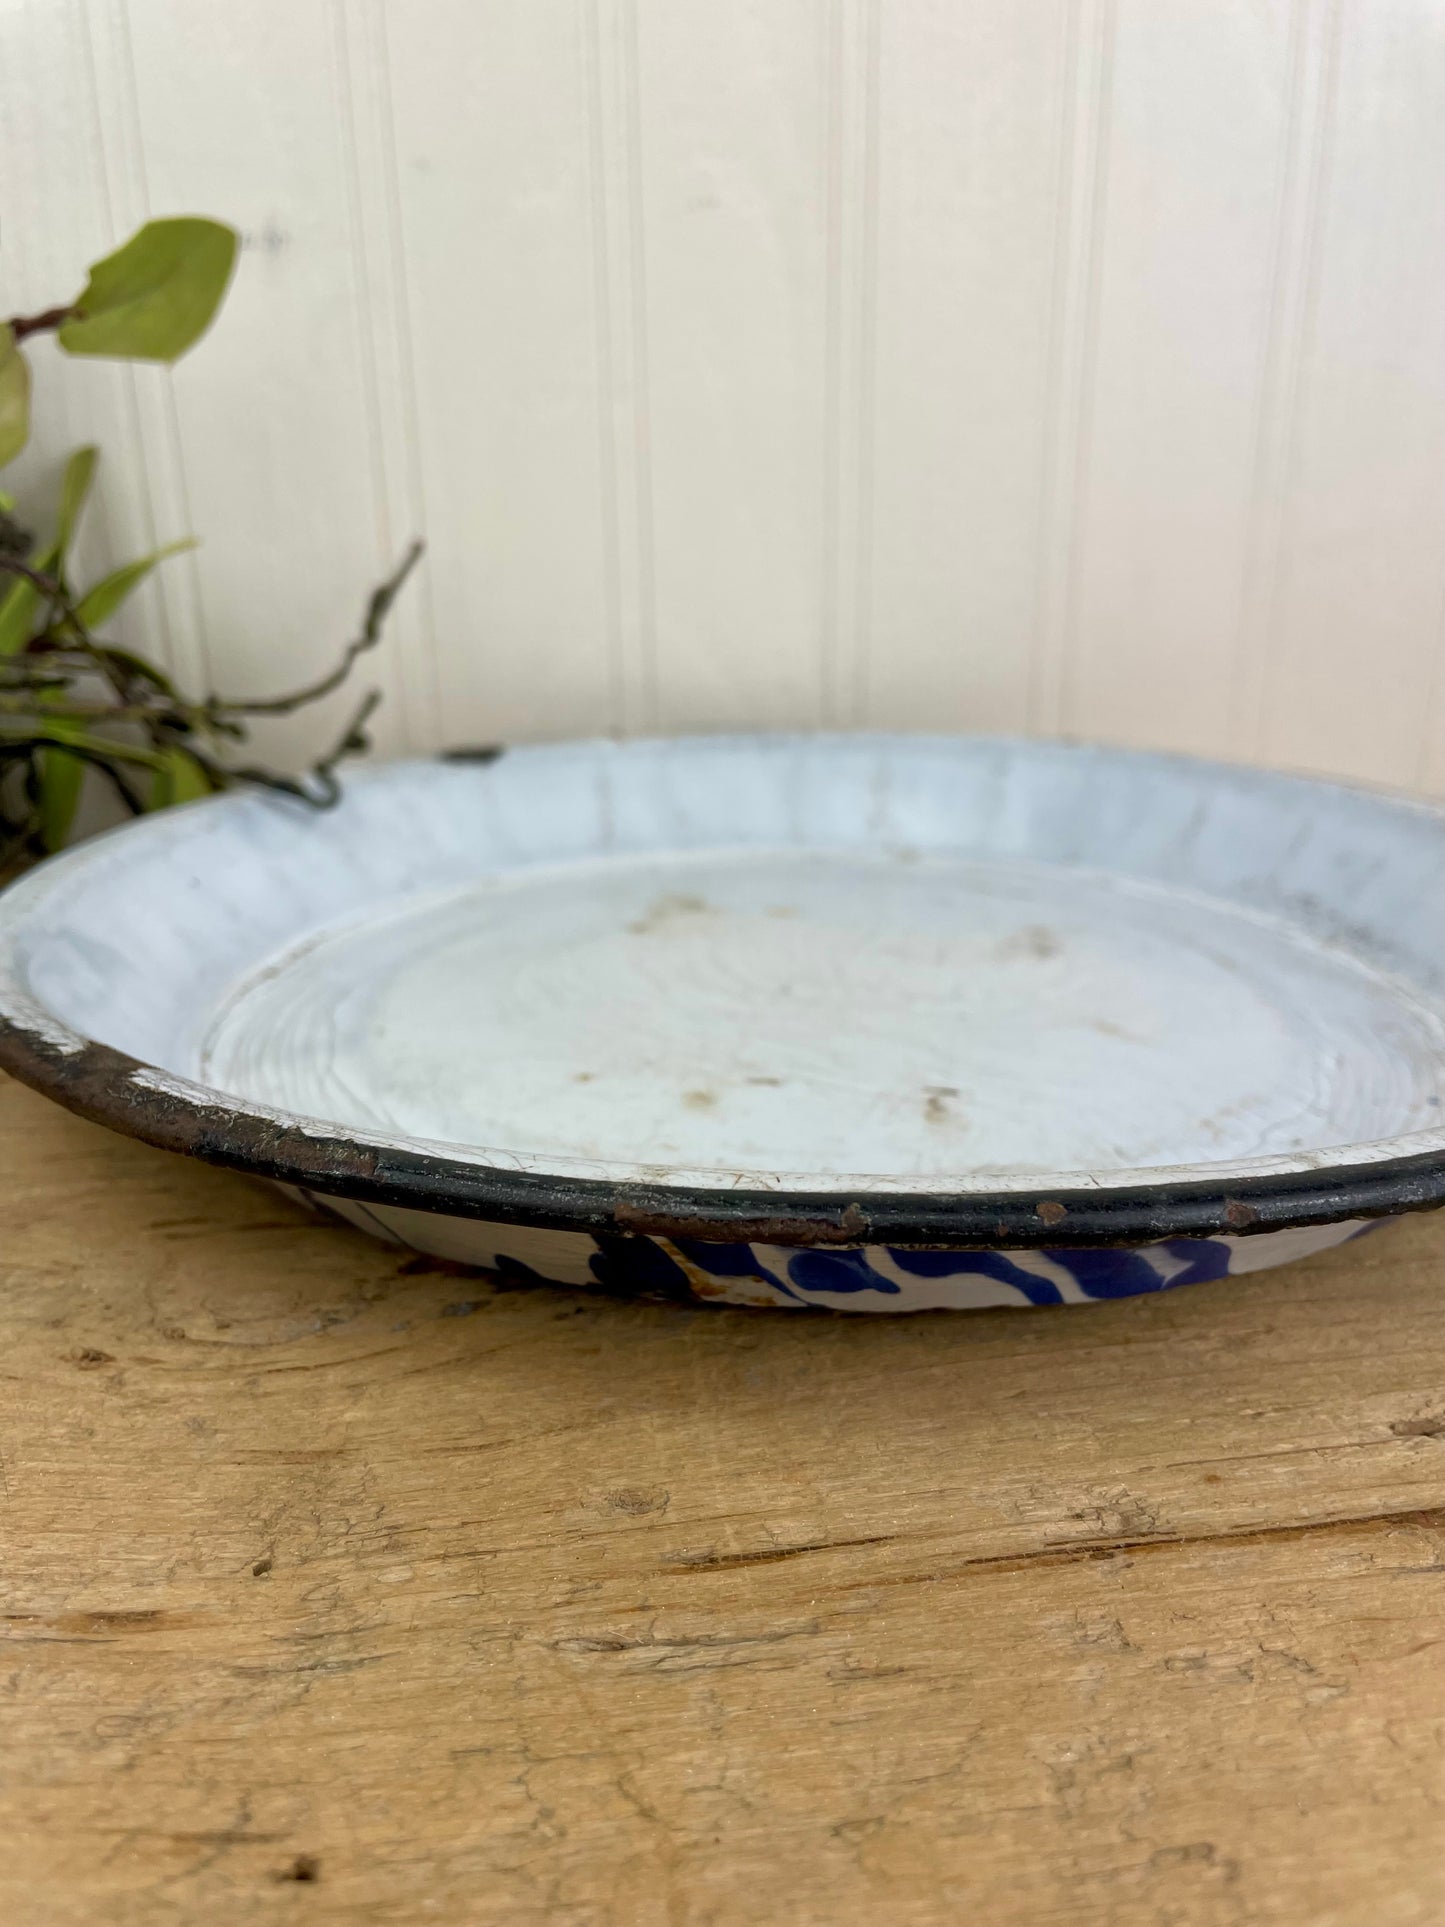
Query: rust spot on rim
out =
(108, 1086)
(848, 1226)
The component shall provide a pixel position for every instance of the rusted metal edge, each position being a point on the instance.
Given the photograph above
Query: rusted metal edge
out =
(114, 1089)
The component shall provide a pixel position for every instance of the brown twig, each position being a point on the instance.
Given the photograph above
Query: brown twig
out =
(23, 325)
(94, 758)
(39, 324)
(39, 719)
(57, 598)
(376, 613)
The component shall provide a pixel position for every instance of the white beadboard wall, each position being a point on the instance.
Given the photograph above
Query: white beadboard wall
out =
(1061, 366)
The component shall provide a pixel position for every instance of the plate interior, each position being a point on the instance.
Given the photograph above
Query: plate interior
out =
(928, 1016)
(781, 963)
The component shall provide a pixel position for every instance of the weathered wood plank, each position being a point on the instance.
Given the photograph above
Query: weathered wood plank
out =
(501, 1607)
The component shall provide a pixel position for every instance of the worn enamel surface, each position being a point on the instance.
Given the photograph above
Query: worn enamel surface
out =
(918, 1015)
(845, 967)
(853, 1279)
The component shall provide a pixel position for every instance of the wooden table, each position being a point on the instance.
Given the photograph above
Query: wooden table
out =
(339, 1588)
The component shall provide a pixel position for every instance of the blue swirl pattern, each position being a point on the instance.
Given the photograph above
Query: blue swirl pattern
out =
(858, 1278)
(882, 1278)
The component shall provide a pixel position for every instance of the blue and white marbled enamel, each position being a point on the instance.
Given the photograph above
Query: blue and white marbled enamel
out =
(861, 1278)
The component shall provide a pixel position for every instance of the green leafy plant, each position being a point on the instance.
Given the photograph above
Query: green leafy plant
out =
(69, 701)
(149, 301)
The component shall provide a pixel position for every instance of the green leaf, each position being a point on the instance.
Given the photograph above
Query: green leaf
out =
(14, 396)
(20, 600)
(18, 608)
(20, 604)
(74, 487)
(154, 297)
(61, 780)
(138, 666)
(103, 598)
(181, 780)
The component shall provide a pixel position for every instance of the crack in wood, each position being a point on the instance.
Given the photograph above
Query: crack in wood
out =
(1082, 1552)
(773, 1556)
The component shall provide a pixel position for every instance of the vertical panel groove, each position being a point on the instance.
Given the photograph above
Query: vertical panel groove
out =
(406, 354)
(126, 370)
(1083, 428)
(166, 444)
(631, 76)
(382, 295)
(1294, 295)
(1248, 692)
(1320, 162)
(830, 693)
(356, 225)
(851, 267)
(1083, 160)
(591, 12)
(159, 605)
(621, 269)
(867, 376)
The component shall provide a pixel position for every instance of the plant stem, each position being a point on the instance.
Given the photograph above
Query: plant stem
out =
(59, 600)
(376, 613)
(22, 325)
(44, 715)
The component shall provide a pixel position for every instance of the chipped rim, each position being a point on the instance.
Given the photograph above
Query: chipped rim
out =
(111, 1088)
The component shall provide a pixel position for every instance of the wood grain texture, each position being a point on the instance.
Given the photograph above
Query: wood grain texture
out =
(335, 1590)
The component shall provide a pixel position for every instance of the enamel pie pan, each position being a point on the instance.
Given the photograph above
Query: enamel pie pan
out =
(874, 1023)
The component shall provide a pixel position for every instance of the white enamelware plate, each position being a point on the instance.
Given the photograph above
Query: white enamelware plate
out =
(876, 1023)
